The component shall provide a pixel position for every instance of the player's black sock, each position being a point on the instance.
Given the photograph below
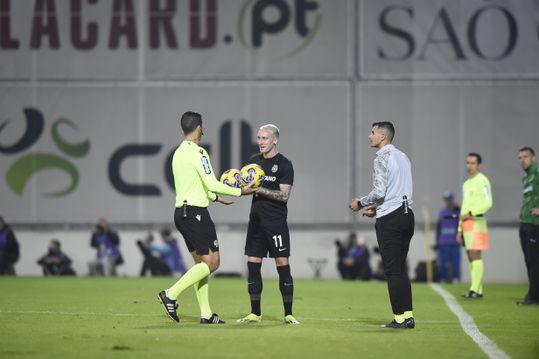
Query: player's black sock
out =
(254, 286)
(286, 285)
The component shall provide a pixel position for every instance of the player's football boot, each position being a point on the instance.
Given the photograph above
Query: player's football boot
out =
(251, 318)
(472, 295)
(407, 324)
(289, 319)
(214, 319)
(527, 301)
(170, 305)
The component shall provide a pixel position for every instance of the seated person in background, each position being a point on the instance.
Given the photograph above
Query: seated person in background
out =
(107, 244)
(354, 259)
(9, 249)
(173, 258)
(152, 258)
(55, 262)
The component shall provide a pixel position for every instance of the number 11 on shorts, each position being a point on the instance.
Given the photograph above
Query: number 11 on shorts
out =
(278, 240)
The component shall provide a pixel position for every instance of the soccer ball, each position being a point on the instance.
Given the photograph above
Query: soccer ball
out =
(252, 173)
(232, 178)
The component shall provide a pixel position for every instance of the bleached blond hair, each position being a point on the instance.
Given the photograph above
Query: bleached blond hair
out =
(271, 128)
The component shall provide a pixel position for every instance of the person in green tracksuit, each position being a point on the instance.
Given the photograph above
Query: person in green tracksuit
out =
(529, 223)
(196, 185)
(473, 232)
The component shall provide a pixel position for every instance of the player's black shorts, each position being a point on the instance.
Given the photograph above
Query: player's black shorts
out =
(197, 229)
(267, 236)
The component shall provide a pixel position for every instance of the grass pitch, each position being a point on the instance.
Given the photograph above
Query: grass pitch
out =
(121, 318)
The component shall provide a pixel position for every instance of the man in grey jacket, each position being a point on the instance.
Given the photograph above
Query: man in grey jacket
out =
(390, 201)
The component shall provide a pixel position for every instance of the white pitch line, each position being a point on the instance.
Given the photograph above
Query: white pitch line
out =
(468, 325)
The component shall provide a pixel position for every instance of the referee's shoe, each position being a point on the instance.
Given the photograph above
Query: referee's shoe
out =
(407, 324)
(214, 319)
(170, 305)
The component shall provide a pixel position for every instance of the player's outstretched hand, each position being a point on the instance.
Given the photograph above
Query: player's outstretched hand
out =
(248, 189)
(223, 200)
(354, 205)
(369, 211)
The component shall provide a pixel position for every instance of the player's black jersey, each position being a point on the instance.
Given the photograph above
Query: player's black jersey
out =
(278, 170)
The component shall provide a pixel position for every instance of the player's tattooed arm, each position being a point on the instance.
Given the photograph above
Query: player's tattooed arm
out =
(281, 195)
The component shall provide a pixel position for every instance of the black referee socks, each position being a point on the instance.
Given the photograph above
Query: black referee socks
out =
(286, 285)
(254, 286)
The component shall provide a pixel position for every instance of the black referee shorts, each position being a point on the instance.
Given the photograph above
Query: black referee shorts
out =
(267, 236)
(197, 229)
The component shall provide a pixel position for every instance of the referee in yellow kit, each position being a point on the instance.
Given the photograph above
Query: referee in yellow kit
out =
(195, 185)
(473, 231)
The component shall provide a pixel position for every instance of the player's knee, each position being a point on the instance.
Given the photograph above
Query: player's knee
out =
(213, 264)
(281, 261)
(212, 261)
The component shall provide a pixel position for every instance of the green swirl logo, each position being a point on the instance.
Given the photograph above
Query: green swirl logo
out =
(20, 172)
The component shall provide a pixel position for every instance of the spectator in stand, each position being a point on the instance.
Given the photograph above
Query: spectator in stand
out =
(153, 262)
(56, 262)
(173, 258)
(354, 259)
(107, 244)
(9, 249)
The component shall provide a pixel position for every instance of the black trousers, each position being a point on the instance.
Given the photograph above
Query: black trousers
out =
(529, 241)
(394, 232)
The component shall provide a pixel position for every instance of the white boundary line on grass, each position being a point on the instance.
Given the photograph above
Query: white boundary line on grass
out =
(468, 325)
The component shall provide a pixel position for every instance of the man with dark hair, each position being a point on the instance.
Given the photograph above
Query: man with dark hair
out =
(55, 262)
(189, 122)
(529, 223)
(195, 184)
(267, 231)
(477, 156)
(472, 230)
(390, 201)
(9, 249)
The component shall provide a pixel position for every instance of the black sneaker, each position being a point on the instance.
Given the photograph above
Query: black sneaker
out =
(170, 305)
(527, 301)
(472, 295)
(214, 319)
(407, 324)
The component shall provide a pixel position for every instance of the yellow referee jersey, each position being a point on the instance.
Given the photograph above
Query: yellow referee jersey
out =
(194, 179)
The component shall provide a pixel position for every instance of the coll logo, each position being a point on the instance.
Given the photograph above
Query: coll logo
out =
(130, 187)
(270, 17)
(20, 171)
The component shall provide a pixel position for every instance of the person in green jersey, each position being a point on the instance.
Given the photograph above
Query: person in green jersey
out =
(472, 231)
(529, 223)
(196, 185)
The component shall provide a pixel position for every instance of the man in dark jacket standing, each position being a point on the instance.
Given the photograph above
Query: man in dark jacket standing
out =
(529, 223)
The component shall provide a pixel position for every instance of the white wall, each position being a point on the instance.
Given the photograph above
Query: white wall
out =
(503, 262)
